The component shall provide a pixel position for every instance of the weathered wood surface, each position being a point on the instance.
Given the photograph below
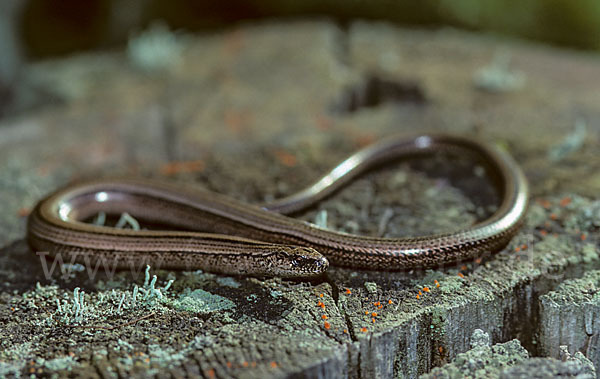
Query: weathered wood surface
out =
(259, 111)
(511, 360)
(569, 316)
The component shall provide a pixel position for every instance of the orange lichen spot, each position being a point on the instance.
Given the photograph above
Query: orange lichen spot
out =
(583, 236)
(437, 284)
(32, 370)
(418, 297)
(390, 301)
(463, 267)
(229, 364)
(147, 360)
(321, 304)
(565, 201)
(31, 363)
(365, 140)
(366, 312)
(23, 212)
(461, 275)
(323, 122)
(420, 293)
(377, 303)
(71, 354)
(326, 325)
(273, 364)
(245, 364)
(348, 292)
(374, 314)
(12, 309)
(425, 289)
(236, 120)
(172, 168)
(324, 317)
(478, 261)
(518, 248)
(363, 329)
(441, 349)
(286, 158)
(553, 216)
(321, 295)
(345, 331)
(210, 373)
(524, 246)
(373, 320)
(544, 203)
(543, 232)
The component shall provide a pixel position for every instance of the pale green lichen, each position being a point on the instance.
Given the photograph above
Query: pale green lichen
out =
(169, 357)
(76, 310)
(149, 291)
(57, 364)
(14, 352)
(571, 143)
(452, 284)
(589, 253)
(11, 369)
(536, 216)
(155, 49)
(228, 282)
(321, 219)
(371, 287)
(482, 360)
(127, 219)
(124, 345)
(276, 294)
(72, 311)
(498, 77)
(585, 215)
(121, 303)
(200, 301)
(165, 357)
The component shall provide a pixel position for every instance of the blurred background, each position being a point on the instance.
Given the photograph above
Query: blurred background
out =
(51, 27)
(33, 30)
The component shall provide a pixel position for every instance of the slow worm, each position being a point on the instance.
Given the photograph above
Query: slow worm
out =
(209, 231)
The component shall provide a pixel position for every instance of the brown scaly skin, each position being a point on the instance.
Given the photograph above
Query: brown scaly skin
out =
(241, 236)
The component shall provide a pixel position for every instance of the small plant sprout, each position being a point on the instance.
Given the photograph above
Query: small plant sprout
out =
(120, 304)
(146, 276)
(134, 296)
(78, 307)
(497, 77)
(104, 307)
(100, 219)
(127, 219)
(321, 219)
(168, 285)
(149, 289)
